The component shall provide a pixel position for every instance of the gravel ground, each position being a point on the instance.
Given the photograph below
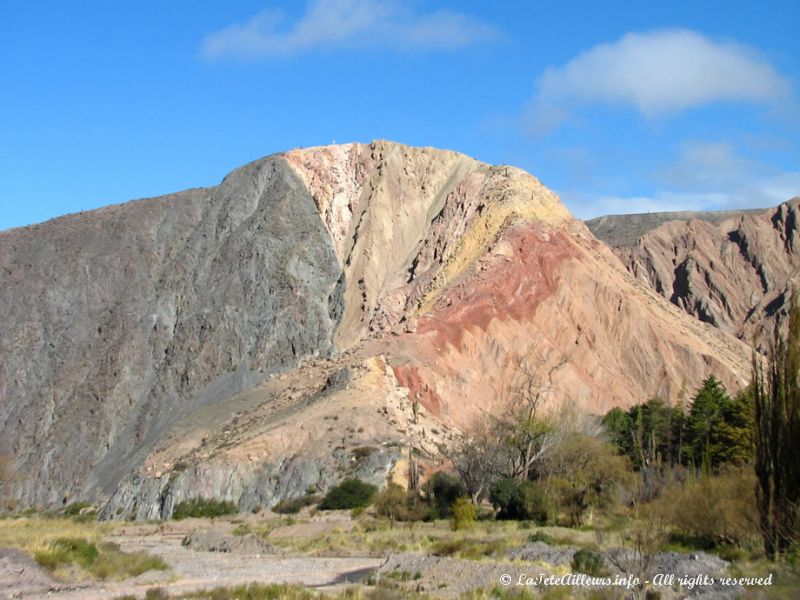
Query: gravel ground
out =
(19, 573)
(444, 576)
(450, 577)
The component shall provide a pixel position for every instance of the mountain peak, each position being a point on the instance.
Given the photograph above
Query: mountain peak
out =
(230, 328)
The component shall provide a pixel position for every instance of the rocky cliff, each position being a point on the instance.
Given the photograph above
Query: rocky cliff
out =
(734, 270)
(321, 312)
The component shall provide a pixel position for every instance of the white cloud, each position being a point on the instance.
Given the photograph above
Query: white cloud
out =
(330, 24)
(657, 74)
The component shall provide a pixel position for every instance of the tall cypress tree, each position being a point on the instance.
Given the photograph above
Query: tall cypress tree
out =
(704, 422)
(776, 390)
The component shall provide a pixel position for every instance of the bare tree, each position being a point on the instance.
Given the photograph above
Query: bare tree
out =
(477, 457)
(644, 538)
(509, 442)
(529, 433)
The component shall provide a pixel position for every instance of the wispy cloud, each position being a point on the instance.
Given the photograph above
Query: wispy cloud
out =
(656, 74)
(704, 176)
(740, 181)
(704, 165)
(330, 24)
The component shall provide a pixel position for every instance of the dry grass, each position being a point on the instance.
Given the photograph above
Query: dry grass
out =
(37, 534)
(74, 549)
(376, 537)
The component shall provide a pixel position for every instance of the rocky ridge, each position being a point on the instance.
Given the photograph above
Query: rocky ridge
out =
(734, 270)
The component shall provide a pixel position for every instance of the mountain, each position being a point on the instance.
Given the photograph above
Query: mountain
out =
(321, 313)
(734, 270)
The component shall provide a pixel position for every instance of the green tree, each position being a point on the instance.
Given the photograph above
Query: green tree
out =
(658, 442)
(776, 391)
(734, 439)
(650, 434)
(521, 500)
(719, 428)
(704, 421)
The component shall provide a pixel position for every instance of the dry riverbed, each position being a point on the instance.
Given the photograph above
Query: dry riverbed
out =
(332, 552)
(189, 570)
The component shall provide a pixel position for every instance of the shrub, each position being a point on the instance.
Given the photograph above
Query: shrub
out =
(588, 562)
(363, 452)
(105, 562)
(541, 536)
(391, 502)
(397, 504)
(204, 507)
(715, 510)
(351, 493)
(583, 473)
(75, 508)
(470, 549)
(113, 563)
(295, 505)
(464, 514)
(67, 551)
(443, 490)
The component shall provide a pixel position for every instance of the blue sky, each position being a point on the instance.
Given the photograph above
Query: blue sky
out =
(618, 106)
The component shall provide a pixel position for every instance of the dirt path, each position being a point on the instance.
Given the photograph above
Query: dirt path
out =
(193, 570)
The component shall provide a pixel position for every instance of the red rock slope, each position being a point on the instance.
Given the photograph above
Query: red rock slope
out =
(478, 267)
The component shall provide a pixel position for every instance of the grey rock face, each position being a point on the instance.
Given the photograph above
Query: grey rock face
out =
(121, 321)
(250, 487)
